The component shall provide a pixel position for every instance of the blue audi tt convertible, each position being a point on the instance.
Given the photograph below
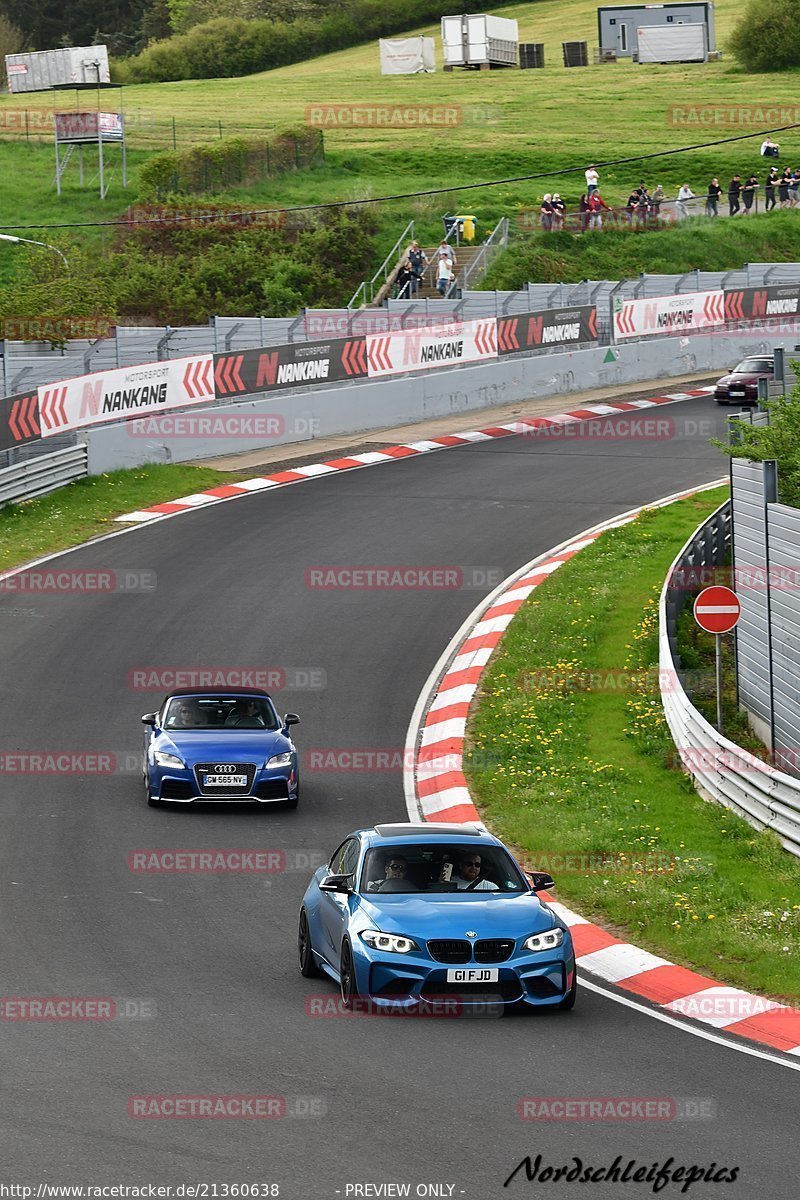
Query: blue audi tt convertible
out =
(220, 746)
(414, 915)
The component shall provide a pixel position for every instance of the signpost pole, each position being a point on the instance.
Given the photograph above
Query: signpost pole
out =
(718, 639)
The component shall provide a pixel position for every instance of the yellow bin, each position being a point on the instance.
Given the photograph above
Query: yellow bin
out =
(468, 224)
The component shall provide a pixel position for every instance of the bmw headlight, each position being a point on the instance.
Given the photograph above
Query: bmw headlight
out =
(163, 759)
(544, 941)
(394, 943)
(280, 760)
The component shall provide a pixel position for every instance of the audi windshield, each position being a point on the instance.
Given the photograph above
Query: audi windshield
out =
(220, 713)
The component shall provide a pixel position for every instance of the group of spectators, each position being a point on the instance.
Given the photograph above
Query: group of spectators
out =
(780, 188)
(412, 270)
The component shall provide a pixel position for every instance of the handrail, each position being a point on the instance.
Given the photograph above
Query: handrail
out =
(406, 236)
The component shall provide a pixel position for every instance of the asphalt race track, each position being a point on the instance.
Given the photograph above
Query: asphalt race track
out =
(391, 1100)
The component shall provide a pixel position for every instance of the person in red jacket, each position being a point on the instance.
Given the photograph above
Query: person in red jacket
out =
(596, 206)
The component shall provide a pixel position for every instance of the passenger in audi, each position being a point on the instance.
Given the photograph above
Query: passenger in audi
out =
(468, 875)
(183, 715)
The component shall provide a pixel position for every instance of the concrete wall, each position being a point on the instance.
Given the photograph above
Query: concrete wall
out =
(303, 415)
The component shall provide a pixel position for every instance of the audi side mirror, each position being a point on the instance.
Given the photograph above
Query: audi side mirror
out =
(541, 881)
(290, 719)
(149, 718)
(337, 883)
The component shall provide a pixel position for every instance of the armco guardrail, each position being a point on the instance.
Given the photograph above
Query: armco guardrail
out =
(42, 474)
(155, 388)
(736, 779)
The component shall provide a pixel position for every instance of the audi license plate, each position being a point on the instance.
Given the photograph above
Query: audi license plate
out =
(473, 975)
(238, 781)
(733, 393)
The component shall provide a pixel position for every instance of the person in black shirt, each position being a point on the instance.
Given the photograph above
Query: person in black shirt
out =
(734, 191)
(769, 187)
(783, 187)
(712, 196)
(748, 192)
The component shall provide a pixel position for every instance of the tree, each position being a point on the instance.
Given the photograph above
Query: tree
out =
(767, 38)
(12, 41)
(780, 440)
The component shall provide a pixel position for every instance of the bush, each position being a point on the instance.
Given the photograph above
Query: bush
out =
(230, 45)
(767, 38)
(230, 162)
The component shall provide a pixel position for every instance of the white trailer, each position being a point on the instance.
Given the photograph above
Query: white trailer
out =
(672, 43)
(407, 56)
(479, 40)
(45, 69)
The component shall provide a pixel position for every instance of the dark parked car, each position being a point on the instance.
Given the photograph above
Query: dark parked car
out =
(741, 386)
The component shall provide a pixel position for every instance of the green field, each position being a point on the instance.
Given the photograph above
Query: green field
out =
(497, 124)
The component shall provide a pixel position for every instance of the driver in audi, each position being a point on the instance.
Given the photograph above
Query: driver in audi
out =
(468, 874)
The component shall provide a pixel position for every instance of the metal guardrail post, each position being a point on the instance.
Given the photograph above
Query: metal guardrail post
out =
(232, 333)
(163, 344)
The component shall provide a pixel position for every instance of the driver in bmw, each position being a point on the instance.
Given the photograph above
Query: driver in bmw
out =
(468, 874)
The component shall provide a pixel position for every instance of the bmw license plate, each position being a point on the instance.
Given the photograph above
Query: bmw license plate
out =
(238, 781)
(473, 975)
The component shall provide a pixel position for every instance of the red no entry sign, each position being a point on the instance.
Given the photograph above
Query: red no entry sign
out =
(717, 609)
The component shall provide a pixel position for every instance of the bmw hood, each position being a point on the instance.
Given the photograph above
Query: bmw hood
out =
(486, 914)
(196, 746)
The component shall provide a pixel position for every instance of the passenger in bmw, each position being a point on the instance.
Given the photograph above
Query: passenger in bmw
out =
(468, 877)
(396, 877)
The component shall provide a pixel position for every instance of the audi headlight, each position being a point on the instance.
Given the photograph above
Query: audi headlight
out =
(394, 943)
(544, 941)
(280, 760)
(163, 759)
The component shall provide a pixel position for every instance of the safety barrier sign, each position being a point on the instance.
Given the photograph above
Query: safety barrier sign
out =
(546, 327)
(19, 420)
(292, 365)
(681, 313)
(419, 349)
(125, 392)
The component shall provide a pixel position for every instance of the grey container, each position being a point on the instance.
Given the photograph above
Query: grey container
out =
(43, 70)
(531, 54)
(576, 54)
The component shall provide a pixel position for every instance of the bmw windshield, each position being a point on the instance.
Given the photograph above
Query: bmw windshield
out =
(440, 868)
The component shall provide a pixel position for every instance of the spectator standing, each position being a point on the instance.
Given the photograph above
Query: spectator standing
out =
(417, 259)
(769, 187)
(656, 200)
(783, 187)
(445, 250)
(712, 197)
(596, 206)
(559, 211)
(734, 191)
(632, 206)
(748, 193)
(546, 211)
(685, 194)
(592, 180)
(405, 281)
(794, 184)
(584, 211)
(444, 275)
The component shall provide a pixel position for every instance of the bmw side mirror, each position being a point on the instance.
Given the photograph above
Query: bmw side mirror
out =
(290, 719)
(541, 881)
(337, 883)
(149, 718)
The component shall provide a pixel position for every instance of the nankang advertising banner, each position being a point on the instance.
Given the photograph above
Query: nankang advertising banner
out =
(125, 392)
(758, 304)
(298, 364)
(681, 313)
(548, 327)
(442, 346)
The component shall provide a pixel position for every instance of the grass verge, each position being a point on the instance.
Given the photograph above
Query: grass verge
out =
(570, 758)
(86, 509)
